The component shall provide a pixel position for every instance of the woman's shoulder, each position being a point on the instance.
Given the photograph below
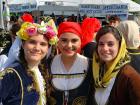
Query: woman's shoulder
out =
(129, 72)
(131, 81)
(8, 74)
(82, 57)
(14, 67)
(12, 72)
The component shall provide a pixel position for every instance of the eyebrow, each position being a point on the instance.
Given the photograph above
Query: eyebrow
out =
(106, 42)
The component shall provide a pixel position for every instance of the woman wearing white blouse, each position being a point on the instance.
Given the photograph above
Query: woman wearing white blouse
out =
(70, 70)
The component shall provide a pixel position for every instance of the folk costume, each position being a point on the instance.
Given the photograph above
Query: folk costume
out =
(130, 30)
(24, 84)
(71, 87)
(119, 85)
(17, 87)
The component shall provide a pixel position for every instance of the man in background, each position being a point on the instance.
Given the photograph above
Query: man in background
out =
(114, 20)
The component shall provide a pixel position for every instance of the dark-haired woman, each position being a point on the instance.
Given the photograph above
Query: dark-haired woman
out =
(25, 81)
(116, 82)
(71, 72)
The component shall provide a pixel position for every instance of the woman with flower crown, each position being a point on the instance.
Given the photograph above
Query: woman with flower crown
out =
(25, 81)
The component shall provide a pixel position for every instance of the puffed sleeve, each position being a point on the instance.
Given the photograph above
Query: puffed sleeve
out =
(9, 84)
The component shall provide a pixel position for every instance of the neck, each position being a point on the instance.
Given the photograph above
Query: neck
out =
(33, 65)
(108, 64)
(68, 61)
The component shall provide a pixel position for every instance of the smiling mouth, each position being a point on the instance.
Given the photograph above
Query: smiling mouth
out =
(35, 54)
(68, 51)
(105, 54)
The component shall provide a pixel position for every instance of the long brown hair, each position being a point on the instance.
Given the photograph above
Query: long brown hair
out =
(43, 68)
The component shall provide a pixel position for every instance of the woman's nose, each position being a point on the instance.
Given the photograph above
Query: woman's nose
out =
(69, 44)
(37, 47)
(105, 47)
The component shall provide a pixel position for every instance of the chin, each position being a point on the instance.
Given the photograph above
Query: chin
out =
(107, 60)
(69, 55)
(34, 59)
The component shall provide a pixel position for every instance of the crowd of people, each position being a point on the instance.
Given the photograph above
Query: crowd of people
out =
(73, 63)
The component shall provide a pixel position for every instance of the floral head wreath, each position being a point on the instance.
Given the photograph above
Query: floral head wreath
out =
(30, 29)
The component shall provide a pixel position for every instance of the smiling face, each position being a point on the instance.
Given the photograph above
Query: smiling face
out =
(35, 49)
(69, 44)
(108, 47)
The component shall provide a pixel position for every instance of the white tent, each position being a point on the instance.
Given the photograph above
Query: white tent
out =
(64, 2)
(68, 2)
(11, 2)
(133, 7)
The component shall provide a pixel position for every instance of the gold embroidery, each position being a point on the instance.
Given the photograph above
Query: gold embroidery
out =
(42, 95)
(30, 87)
(6, 71)
(80, 101)
(69, 76)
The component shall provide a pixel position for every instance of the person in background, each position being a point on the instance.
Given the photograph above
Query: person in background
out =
(13, 19)
(114, 20)
(105, 23)
(130, 30)
(116, 82)
(15, 27)
(71, 72)
(25, 81)
(26, 17)
(89, 28)
(12, 34)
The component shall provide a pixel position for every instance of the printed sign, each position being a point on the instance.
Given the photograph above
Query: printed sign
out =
(22, 8)
(104, 10)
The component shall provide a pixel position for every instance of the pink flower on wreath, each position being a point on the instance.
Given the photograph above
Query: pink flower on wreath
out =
(50, 32)
(32, 30)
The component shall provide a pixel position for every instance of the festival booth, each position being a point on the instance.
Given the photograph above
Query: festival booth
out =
(105, 8)
(17, 7)
(63, 7)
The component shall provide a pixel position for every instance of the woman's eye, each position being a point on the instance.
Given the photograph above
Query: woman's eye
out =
(74, 40)
(44, 44)
(63, 40)
(32, 42)
(101, 44)
(110, 44)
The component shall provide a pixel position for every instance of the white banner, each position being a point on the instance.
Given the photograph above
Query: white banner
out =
(103, 9)
(22, 8)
